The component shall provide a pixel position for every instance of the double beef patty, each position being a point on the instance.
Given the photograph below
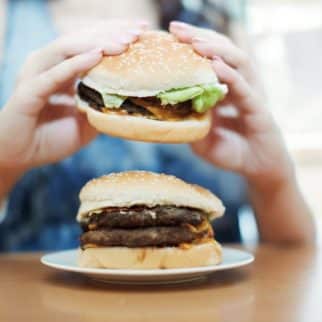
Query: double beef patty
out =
(140, 226)
(89, 95)
(154, 236)
(141, 216)
(95, 100)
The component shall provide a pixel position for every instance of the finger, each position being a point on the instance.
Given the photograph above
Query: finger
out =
(103, 35)
(222, 147)
(61, 137)
(112, 39)
(40, 88)
(228, 122)
(203, 146)
(210, 44)
(48, 57)
(242, 95)
(186, 33)
(52, 112)
(68, 88)
(218, 46)
(57, 112)
(227, 101)
(224, 49)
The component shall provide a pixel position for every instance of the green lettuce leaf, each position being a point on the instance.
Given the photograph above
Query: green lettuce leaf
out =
(176, 96)
(203, 97)
(208, 99)
(113, 100)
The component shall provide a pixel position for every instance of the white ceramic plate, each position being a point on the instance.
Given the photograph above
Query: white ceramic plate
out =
(67, 261)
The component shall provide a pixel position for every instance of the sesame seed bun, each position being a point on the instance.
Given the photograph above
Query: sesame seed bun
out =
(156, 62)
(204, 254)
(126, 189)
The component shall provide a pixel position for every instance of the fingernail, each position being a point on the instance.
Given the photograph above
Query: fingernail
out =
(125, 40)
(179, 24)
(143, 23)
(96, 51)
(135, 32)
(199, 39)
(216, 57)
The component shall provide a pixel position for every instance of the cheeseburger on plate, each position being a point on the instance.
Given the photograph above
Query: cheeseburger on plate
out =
(159, 90)
(144, 220)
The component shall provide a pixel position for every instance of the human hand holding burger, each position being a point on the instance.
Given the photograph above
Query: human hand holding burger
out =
(159, 90)
(250, 143)
(34, 128)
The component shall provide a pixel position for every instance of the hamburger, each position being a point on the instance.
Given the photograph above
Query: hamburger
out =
(144, 220)
(159, 90)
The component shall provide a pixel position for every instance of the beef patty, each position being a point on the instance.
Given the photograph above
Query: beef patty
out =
(89, 95)
(142, 237)
(148, 106)
(142, 216)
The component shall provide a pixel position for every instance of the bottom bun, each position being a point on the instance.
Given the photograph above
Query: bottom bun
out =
(148, 257)
(144, 129)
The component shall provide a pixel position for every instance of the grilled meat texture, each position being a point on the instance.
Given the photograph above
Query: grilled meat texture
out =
(134, 109)
(142, 237)
(89, 95)
(142, 216)
(149, 107)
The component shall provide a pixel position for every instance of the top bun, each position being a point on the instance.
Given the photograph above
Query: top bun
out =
(156, 62)
(126, 189)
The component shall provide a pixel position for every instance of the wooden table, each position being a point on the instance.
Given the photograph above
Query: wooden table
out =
(283, 284)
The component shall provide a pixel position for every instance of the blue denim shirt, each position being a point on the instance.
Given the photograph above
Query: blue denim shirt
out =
(43, 204)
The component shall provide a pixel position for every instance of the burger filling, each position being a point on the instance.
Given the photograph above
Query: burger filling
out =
(173, 105)
(141, 226)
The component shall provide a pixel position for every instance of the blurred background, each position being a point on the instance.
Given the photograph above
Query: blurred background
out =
(286, 37)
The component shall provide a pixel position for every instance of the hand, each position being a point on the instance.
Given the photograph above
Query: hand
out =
(37, 126)
(248, 142)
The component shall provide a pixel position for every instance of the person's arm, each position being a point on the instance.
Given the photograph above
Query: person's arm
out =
(249, 141)
(8, 178)
(35, 130)
(282, 214)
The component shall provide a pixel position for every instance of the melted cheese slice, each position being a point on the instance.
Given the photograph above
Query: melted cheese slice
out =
(161, 113)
